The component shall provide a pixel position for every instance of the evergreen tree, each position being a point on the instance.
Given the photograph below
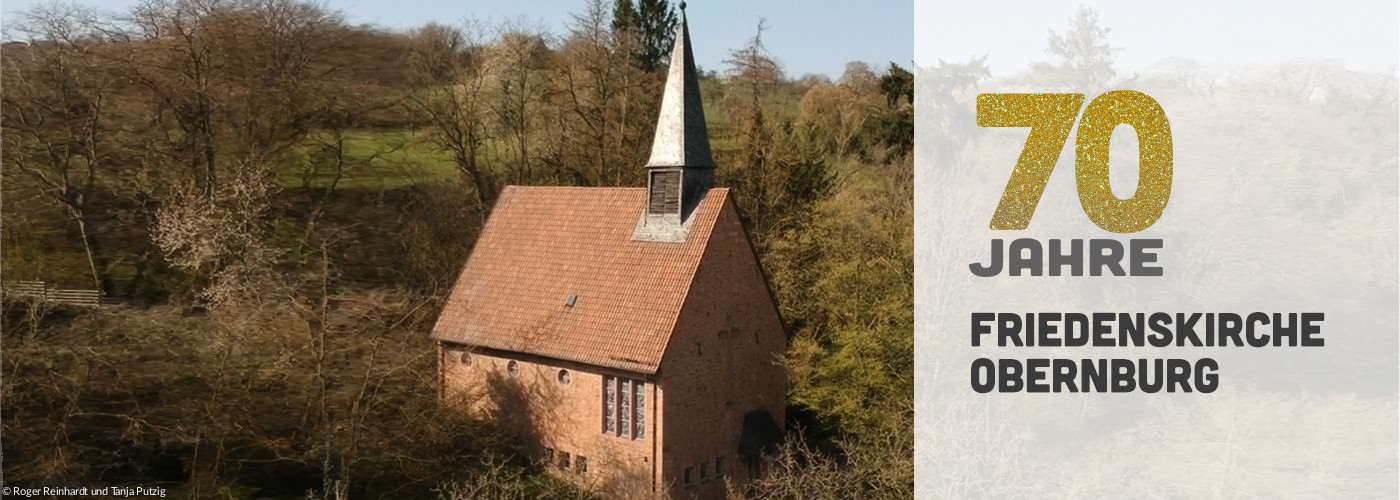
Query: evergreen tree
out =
(624, 17)
(657, 28)
(1085, 56)
(653, 23)
(897, 84)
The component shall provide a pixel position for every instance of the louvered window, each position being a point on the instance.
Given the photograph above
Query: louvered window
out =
(665, 196)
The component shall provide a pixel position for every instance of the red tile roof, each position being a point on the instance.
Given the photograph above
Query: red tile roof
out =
(543, 244)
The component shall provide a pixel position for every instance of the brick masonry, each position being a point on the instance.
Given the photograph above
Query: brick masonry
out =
(720, 362)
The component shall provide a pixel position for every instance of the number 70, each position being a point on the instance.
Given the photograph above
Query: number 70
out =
(1050, 117)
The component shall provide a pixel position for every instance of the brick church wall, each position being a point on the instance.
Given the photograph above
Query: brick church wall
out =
(552, 418)
(720, 364)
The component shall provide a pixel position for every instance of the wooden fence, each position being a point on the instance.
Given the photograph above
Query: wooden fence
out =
(48, 292)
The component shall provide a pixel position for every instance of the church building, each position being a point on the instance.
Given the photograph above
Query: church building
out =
(626, 334)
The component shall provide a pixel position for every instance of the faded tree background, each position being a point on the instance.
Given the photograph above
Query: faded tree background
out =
(1284, 200)
(274, 202)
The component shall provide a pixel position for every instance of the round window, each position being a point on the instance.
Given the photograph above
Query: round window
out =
(466, 358)
(513, 367)
(563, 377)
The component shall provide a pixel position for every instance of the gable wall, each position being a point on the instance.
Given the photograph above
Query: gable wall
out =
(721, 363)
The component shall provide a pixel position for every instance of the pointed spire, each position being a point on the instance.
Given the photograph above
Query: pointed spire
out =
(681, 139)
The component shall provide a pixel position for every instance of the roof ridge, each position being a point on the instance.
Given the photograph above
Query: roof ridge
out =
(528, 186)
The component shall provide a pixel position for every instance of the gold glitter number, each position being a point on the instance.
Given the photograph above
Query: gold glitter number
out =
(1105, 113)
(1050, 117)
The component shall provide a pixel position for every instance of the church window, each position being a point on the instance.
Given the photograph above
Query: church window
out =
(624, 407)
(640, 410)
(609, 404)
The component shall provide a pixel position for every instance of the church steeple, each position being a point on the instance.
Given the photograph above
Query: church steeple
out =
(681, 168)
(681, 139)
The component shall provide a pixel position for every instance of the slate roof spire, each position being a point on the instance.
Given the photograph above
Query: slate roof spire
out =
(681, 169)
(681, 139)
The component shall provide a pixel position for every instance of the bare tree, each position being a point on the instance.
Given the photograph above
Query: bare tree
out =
(449, 65)
(516, 66)
(595, 80)
(56, 112)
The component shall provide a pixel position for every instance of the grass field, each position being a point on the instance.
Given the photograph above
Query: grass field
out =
(374, 160)
(379, 159)
(778, 107)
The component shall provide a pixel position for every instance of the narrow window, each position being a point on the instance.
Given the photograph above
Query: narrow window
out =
(687, 475)
(719, 466)
(564, 460)
(626, 410)
(640, 408)
(581, 464)
(624, 407)
(549, 455)
(609, 404)
(704, 470)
